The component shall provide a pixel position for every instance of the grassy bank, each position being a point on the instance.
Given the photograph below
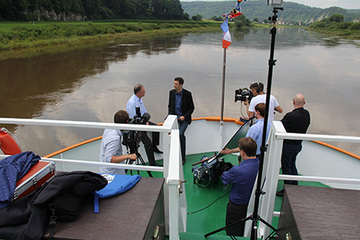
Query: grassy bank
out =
(335, 26)
(38, 34)
(343, 33)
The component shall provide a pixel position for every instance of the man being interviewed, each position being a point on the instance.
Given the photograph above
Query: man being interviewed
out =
(135, 102)
(181, 104)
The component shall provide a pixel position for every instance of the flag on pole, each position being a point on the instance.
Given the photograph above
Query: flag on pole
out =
(227, 37)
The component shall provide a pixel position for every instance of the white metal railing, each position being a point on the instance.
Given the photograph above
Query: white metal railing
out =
(272, 161)
(174, 196)
(319, 179)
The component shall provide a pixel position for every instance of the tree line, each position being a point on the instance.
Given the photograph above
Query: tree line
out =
(335, 22)
(66, 10)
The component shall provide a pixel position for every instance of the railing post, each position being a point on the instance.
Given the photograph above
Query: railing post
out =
(177, 197)
(272, 162)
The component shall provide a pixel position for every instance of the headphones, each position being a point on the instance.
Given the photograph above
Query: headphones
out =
(136, 90)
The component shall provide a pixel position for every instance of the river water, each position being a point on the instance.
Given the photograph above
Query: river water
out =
(92, 82)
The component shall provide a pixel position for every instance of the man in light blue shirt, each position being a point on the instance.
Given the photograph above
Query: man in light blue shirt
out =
(136, 101)
(134, 104)
(255, 131)
(111, 151)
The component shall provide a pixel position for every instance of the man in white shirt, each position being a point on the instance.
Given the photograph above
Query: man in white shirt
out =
(257, 89)
(111, 150)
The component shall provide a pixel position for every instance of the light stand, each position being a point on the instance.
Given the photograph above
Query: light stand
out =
(259, 192)
(255, 217)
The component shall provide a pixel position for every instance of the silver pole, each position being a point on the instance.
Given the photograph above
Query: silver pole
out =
(223, 87)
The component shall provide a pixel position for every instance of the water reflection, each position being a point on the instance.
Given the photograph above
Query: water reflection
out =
(92, 83)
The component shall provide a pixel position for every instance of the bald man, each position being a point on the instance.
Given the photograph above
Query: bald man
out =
(296, 121)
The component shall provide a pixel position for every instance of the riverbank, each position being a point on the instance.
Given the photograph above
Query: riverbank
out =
(347, 34)
(41, 34)
(335, 26)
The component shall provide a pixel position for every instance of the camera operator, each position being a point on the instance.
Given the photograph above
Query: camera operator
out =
(136, 102)
(242, 177)
(257, 90)
(111, 151)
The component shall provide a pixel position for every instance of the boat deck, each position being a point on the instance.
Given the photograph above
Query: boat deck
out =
(207, 206)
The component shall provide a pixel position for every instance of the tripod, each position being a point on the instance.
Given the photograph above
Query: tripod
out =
(255, 217)
(132, 143)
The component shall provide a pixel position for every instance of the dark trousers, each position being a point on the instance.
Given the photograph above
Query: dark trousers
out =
(148, 147)
(288, 160)
(155, 136)
(234, 213)
(182, 127)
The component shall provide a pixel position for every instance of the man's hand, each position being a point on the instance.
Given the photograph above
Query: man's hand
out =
(246, 102)
(181, 118)
(132, 156)
(226, 151)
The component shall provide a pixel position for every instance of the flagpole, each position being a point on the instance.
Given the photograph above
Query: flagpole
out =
(222, 99)
(225, 44)
(223, 87)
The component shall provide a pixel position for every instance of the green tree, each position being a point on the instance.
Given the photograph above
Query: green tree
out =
(241, 21)
(337, 17)
(198, 17)
(215, 18)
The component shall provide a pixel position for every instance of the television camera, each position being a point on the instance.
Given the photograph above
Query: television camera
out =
(131, 139)
(138, 119)
(210, 170)
(243, 94)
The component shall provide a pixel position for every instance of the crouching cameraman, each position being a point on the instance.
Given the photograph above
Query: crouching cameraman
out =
(111, 151)
(242, 177)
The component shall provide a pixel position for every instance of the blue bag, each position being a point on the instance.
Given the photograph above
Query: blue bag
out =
(117, 183)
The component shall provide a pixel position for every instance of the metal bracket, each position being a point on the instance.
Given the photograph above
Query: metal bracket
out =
(180, 186)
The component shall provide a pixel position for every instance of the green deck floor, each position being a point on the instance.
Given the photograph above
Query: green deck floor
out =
(203, 218)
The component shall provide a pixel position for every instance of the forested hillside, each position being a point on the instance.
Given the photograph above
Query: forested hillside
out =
(38, 10)
(293, 12)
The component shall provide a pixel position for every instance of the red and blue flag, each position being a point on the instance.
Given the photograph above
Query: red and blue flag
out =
(226, 42)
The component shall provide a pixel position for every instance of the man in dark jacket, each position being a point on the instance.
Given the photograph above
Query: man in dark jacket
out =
(296, 121)
(182, 105)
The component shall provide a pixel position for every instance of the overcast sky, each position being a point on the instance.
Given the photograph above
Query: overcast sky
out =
(347, 4)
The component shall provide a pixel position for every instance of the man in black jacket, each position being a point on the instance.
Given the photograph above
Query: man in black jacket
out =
(182, 105)
(296, 121)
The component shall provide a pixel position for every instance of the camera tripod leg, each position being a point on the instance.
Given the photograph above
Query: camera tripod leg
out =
(230, 225)
(254, 226)
(268, 224)
(139, 157)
